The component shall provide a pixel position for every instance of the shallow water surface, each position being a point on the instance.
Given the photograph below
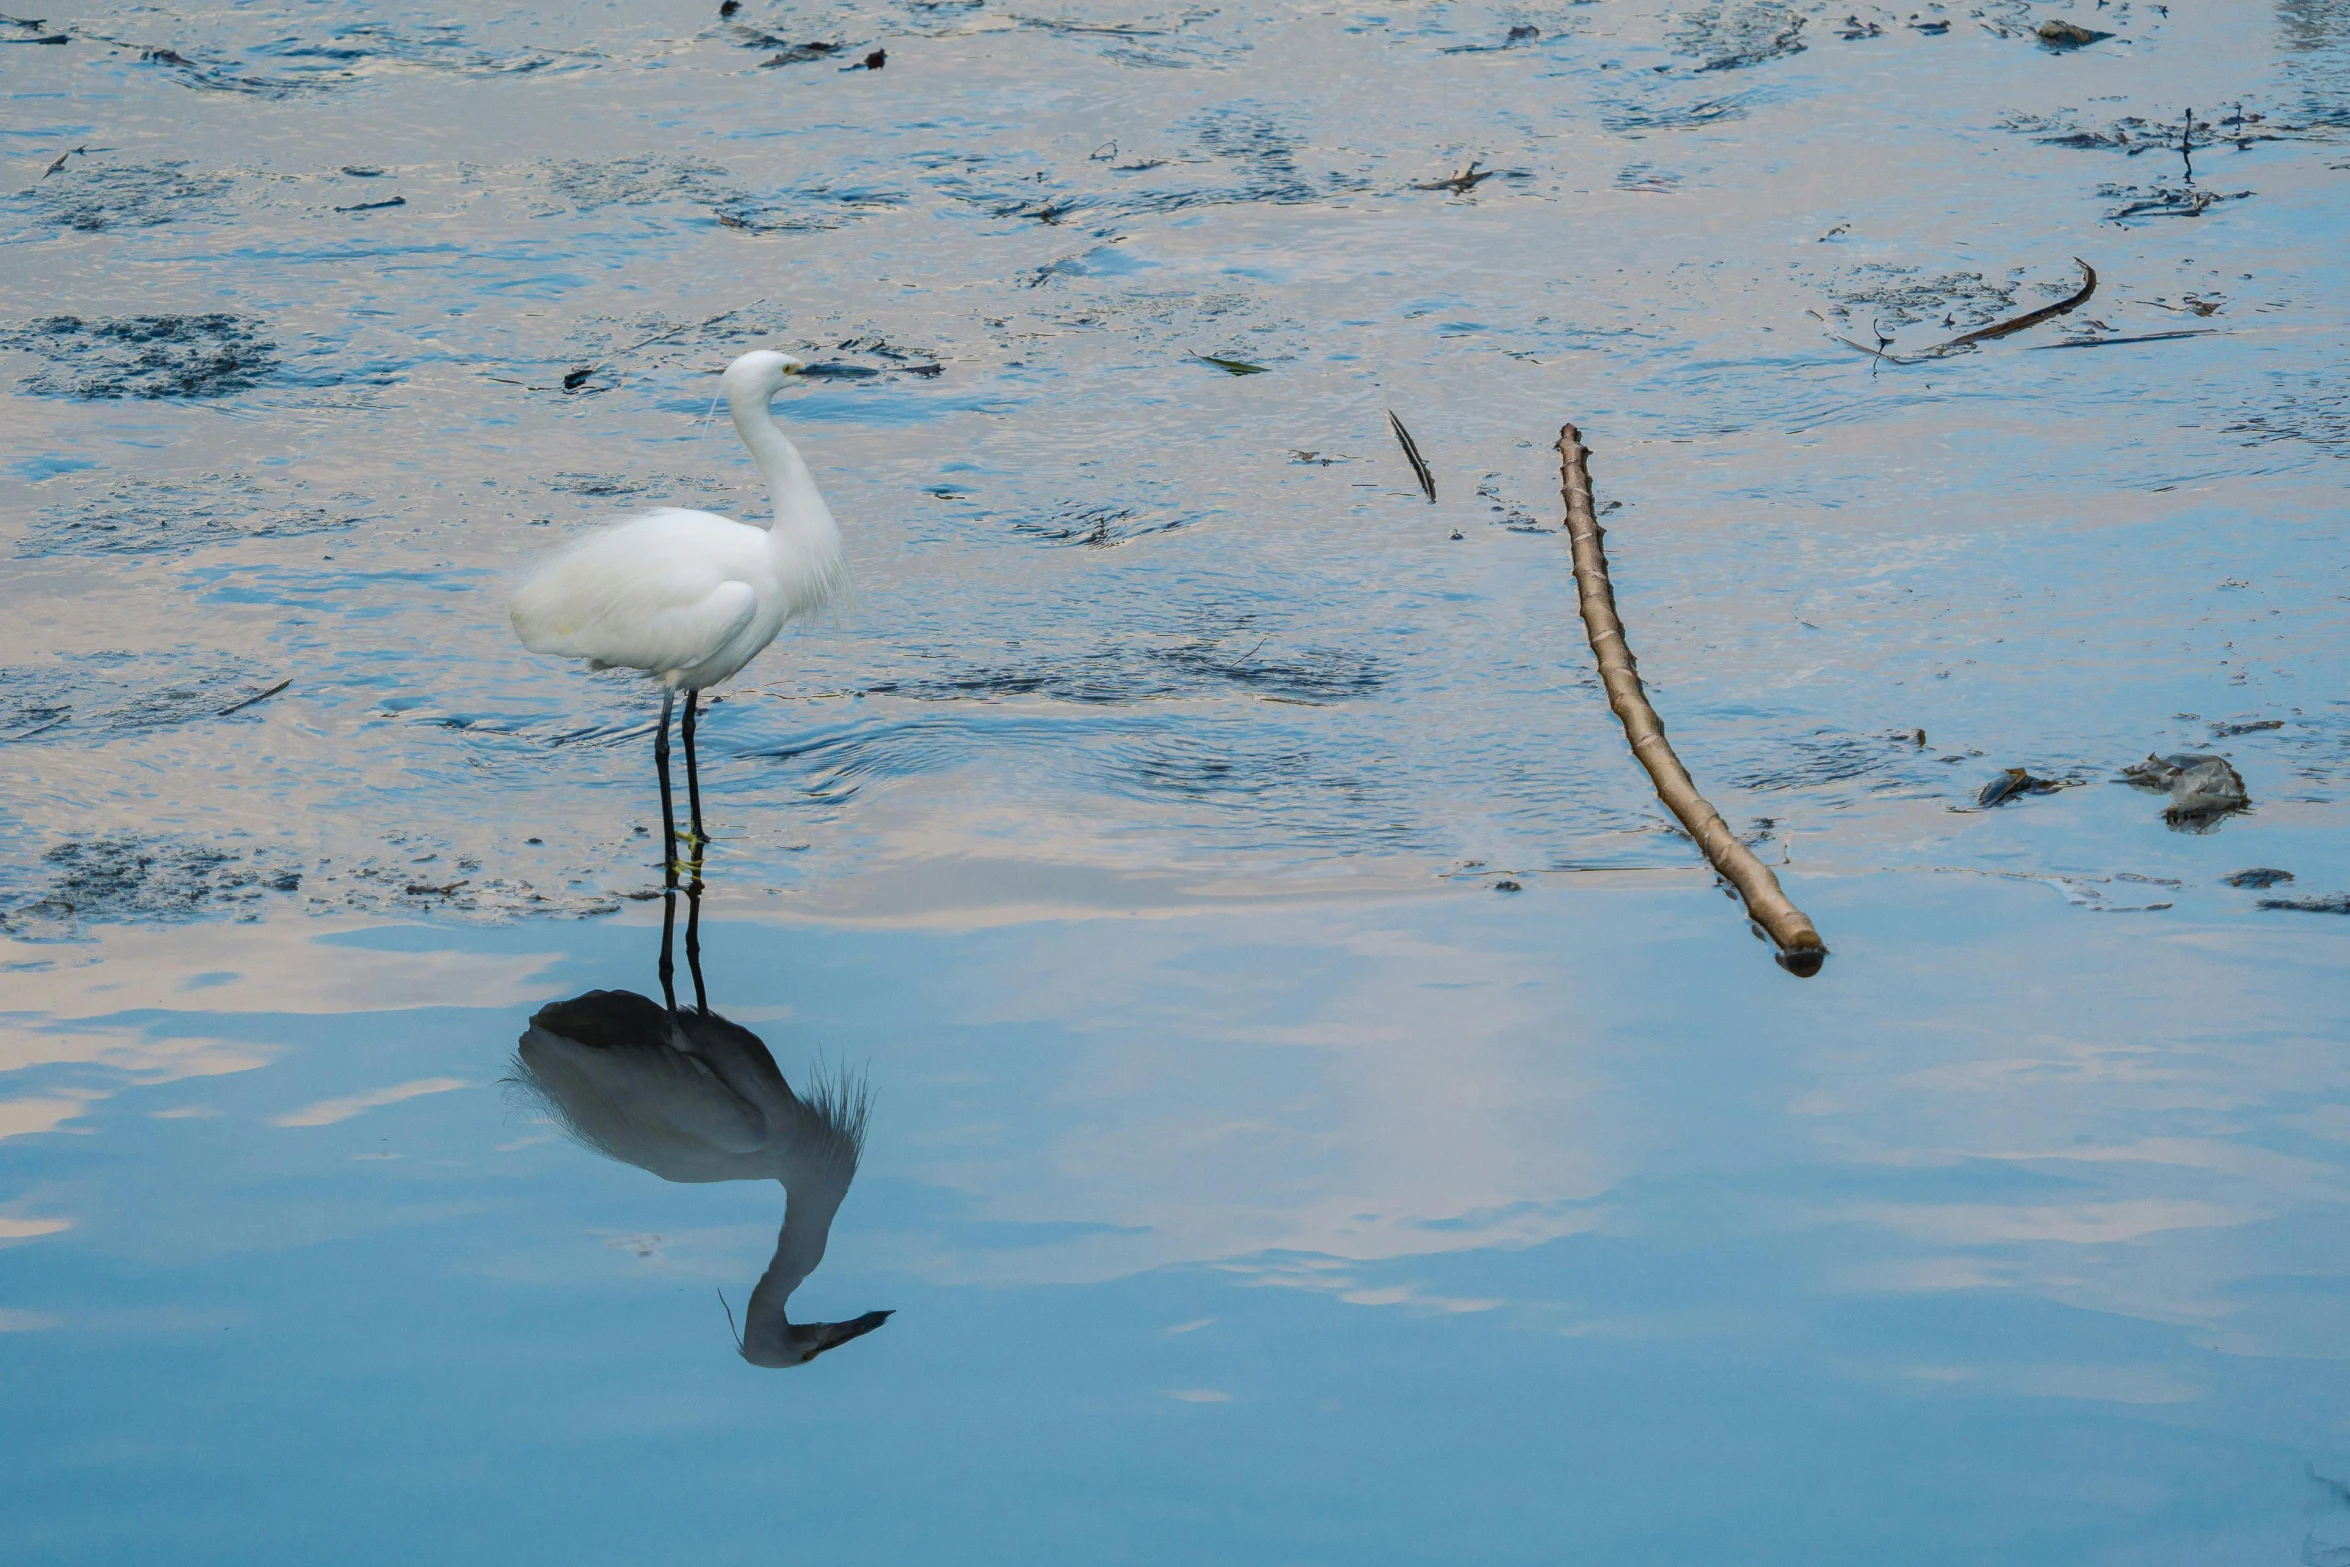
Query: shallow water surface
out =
(1248, 1174)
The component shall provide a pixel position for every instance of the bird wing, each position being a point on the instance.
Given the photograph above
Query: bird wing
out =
(647, 1104)
(659, 592)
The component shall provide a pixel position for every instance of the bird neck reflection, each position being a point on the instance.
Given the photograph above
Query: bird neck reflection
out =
(693, 1097)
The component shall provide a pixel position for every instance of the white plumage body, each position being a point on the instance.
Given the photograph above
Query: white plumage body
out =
(690, 597)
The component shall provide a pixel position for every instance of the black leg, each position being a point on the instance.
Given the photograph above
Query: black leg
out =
(695, 839)
(693, 945)
(668, 853)
(669, 946)
(693, 783)
(668, 810)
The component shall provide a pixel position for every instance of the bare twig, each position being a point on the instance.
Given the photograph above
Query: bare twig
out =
(1465, 181)
(56, 720)
(2116, 342)
(238, 707)
(573, 379)
(1996, 329)
(2029, 318)
(1411, 454)
(1801, 952)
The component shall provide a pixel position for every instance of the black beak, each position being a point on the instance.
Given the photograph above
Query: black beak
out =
(831, 1335)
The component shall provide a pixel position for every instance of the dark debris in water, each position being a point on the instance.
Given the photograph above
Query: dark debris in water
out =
(2335, 903)
(809, 207)
(2317, 413)
(1828, 757)
(1520, 36)
(334, 60)
(131, 878)
(206, 74)
(2135, 134)
(1103, 526)
(128, 878)
(2060, 34)
(1632, 119)
(1734, 34)
(602, 485)
(2017, 781)
(2260, 876)
(2202, 789)
(1236, 660)
(1508, 513)
(1891, 295)
(1256, 152)
(99, 696)
(2184, 199)
(145, 356)
(585, 185)
(1647, 177)
(147, 516)
(786, 52)
(1470, 178)
(92, 198)
(1411, 455)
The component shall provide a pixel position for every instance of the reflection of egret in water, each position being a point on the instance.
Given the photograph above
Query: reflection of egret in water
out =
(693, 1097)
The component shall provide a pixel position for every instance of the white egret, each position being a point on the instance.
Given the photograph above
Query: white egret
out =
(690, 597)
(693, 1097)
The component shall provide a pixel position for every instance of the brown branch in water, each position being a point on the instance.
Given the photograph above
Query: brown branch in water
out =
(2030, 318)
(1801, 952)
(1996, 329)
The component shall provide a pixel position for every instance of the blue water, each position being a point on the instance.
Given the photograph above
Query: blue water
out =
(1252, 1175)
(1450, 1227)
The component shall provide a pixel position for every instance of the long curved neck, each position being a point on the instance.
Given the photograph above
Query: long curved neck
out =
(788, 480)
(807, 1224)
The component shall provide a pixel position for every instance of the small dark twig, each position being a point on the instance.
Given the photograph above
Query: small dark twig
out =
(2116, 342)
(2030, 318)
(574, 379)
(55, 722)
(1462, 183)
(238, 707)
(70, 152)
(1411, 453)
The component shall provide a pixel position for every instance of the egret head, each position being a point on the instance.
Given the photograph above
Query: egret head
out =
(800, 1342)
(760, 374)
